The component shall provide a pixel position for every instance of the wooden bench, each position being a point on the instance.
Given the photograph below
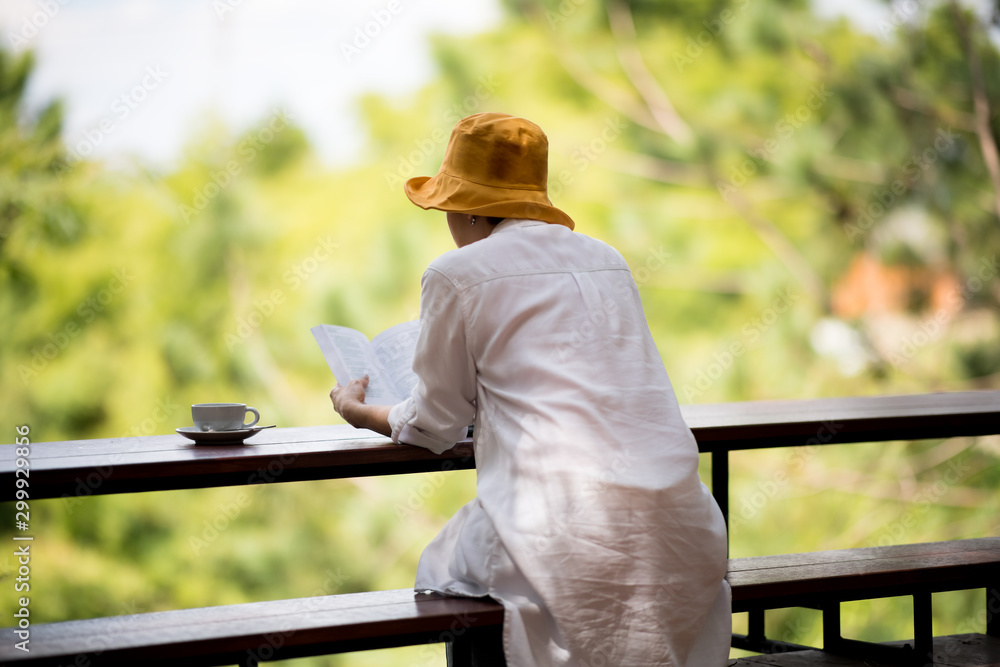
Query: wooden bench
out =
(283, 629)
(967, 650)
(824, 579)
(246, 633)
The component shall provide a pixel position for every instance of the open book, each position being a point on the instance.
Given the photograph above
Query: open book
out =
(387, 359)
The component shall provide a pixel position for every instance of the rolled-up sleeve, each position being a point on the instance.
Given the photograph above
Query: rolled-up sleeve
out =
(442, 404)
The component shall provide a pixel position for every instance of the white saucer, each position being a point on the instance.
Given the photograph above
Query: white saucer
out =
(233, 437)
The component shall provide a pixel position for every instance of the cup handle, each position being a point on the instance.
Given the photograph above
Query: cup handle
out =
(256, 417)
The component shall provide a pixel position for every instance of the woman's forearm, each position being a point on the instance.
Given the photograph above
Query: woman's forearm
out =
(372, 417)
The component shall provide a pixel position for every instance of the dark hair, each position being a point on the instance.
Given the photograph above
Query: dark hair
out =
(494, 220)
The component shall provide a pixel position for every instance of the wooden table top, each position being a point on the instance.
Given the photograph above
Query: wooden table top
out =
(162, 462)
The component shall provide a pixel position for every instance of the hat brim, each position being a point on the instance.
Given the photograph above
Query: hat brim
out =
(444, 192)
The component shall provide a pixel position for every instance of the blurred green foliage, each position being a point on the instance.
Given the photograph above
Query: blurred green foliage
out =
(820, 192)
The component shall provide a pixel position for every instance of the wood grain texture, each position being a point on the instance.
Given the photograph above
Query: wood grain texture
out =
(782, 423)
(156, 463)
(812, 578)
(331, 624)
(222, 635)
(970, 650)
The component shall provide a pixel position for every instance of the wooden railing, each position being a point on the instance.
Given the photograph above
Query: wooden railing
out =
(81, 468)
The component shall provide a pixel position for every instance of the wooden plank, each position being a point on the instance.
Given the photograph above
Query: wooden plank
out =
(810, 579)
(848, 571)
(782, 423)
(848, 582)
(220, 635)
(131, 444)
(970, 650)
(863, 553)
(807, 659)
(156, 463)
(747, 414)
(346, 602)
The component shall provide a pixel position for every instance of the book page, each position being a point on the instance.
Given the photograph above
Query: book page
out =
(350, 356)
(395, 348)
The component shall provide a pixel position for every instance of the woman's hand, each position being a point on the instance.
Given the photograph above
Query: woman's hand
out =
(344, 397)
(349, 402)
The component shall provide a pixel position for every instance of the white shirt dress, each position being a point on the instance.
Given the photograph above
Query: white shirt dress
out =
(591, 525)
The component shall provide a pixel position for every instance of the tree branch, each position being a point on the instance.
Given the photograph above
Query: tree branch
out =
(584, 77)
(604, 90)
(669, 172)
(779, 244)
(654, 169)
(851, 169)
(263, 362)
(630, 57)
(911, 100)
(981, 105)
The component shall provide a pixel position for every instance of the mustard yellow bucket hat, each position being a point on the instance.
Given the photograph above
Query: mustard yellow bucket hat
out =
(495, 165)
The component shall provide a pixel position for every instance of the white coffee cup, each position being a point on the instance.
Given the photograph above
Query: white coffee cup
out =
(222, 416)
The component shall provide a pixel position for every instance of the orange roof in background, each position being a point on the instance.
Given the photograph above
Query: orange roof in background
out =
(869, 286)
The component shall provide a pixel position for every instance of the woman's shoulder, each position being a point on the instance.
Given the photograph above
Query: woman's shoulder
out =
(451, 262)
(472, 258)
(527, 250)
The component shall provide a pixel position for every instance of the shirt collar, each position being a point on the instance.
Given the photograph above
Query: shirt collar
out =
(515, 223)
